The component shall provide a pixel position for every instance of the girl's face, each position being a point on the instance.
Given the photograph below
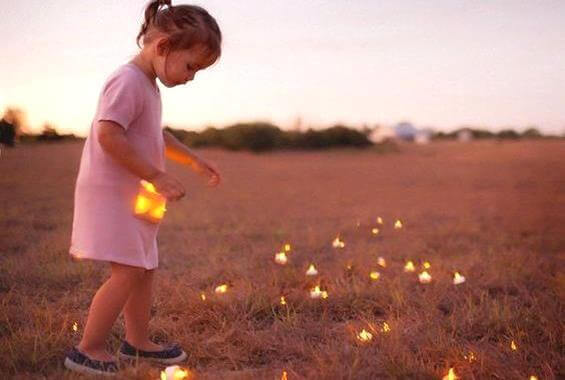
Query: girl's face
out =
(181, 65)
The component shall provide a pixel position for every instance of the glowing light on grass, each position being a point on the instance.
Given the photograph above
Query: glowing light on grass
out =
(284, 376)
(280, 258)
(513, 346)
(364, 336)
(380, 220)
(149, 204)
(375, 231)
(409, 267)
(317, 293)
(533, 377)
(203, 296)
(287, 247)
(75, 327)
(221, 289)
(458, 279)
(382, 262)
(427, 265)
(450, 375)
(425, 277)
(283, 301)
(312, 271)
(337, 243)
(397, 224)
(374, 275)
(175, 372)
(386, 328)
(471, 357)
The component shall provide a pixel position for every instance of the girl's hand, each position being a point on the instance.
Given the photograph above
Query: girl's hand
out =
(168, 186)
(206, 169)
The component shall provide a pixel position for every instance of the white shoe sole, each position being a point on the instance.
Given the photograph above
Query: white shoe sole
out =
(178, 359)
(84, 369)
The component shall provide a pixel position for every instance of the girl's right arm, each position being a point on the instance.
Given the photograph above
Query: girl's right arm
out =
(112, 139)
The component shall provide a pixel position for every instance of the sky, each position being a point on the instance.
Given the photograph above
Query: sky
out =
(442, 64)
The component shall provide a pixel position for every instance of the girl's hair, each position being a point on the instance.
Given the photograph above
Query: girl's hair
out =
(185, 26)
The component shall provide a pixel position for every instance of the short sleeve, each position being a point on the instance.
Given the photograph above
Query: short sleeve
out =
(120, 100)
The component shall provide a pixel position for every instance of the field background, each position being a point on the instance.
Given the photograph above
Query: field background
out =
(495, 211)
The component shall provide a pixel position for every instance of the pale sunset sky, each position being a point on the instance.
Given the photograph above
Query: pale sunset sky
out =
(436, 63)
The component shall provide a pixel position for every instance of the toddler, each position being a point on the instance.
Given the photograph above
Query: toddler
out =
(125, 147)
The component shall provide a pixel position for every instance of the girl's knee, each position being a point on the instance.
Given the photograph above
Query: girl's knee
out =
(128, 273)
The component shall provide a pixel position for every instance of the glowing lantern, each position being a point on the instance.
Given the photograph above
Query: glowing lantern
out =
(397, 224)
(221, 289)
(317, 293)
(311, 270)
(458, 279)
(380, 220)
(425, 277)
(337, 243)
(386, 328)
(409, 267)
(284, 377)
(203, 296)
(175, 372)
(149, 204)
(287, 247)
(513, 346)
(375, 231)
(533, 377)
(450, 375)
(364, 336)
(382, 262)
(280, 258)
(427, 265)
(283, 301)
(75, 327)
(374, 275)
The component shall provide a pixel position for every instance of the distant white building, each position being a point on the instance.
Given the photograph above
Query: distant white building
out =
(423, 136)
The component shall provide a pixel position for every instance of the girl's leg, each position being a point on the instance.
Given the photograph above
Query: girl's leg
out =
(137, 313)
(105, 308)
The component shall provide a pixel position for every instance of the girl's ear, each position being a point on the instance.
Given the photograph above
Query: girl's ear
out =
(162, 46)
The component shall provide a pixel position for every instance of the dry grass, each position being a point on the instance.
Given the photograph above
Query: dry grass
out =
(493, 211)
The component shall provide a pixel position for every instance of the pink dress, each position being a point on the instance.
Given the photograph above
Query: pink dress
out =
(104, 225)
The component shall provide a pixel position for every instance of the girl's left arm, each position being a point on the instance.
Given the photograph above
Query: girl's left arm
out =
(177, 151)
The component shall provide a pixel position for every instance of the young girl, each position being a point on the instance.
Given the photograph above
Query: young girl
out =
(125, 146)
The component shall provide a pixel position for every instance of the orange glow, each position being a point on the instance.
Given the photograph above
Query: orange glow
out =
(427, 265)
(75, 327)
(397, 224)
(425, 277)
(375, 231)
(149, 204)
(450, 375)
(382, 262)
(203, 296)
(287, 247)
(374, 275)
(280, 258)
(317, 293)
(221, 289)
(409, 267)
(312, 271)
(364, 336)
(284, 376)
(513, 346)
(337, 243)
(458, 279)
(380, 220)
(386, 327)
(283, 301)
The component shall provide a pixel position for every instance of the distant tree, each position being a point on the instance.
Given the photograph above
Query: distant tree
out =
(531, 133)
(7, 133)
(508, 134)
(49, 134)
(16, 117)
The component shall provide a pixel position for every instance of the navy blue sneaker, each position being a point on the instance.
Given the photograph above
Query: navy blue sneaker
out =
(79, 362)
(172, 353)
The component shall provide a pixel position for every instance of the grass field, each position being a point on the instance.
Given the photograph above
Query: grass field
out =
(493, 211)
